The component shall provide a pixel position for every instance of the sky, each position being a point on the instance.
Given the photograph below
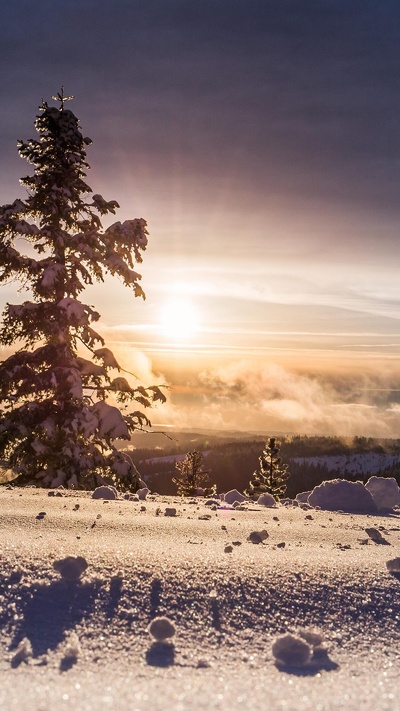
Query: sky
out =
(260, 141)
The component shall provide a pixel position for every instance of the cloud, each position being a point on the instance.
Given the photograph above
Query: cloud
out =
(270, 397)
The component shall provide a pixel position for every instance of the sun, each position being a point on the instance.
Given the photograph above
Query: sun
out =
(179, 319)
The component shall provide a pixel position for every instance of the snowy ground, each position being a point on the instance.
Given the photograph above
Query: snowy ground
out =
(227, 607)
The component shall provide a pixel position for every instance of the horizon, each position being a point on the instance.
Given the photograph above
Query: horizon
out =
(260, 143)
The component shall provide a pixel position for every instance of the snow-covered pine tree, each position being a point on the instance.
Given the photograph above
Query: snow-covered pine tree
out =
(271, 476)
(192, 475)
(56, 426)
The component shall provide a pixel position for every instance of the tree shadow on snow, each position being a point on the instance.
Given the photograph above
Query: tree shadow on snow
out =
(51, 610)
(115, 592)
(155, 597)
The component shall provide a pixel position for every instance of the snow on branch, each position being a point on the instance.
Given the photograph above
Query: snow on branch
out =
(107, 357)
(51, 431)
(78, 314)
(111, 423)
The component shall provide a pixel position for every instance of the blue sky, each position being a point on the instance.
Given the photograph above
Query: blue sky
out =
(260, 141)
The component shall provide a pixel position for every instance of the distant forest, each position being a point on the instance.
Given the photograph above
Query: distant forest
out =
(232, 463)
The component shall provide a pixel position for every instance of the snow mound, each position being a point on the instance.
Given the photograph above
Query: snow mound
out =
(302, 498)
(384, 491)
(234, 495)
(142, 493)
(266, 500)
(342, 495)
(105, 492)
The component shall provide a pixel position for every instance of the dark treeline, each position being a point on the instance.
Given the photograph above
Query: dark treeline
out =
(233, 463)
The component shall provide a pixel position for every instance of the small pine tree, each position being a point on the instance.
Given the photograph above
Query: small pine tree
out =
(192, 476)
(56, 426)
(271, 476)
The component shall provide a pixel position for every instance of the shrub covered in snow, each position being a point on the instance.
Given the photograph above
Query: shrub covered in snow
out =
(192, 476)
(271, 475)
(56, 425)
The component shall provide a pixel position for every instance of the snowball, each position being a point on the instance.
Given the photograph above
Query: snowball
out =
(161, 628)
(342, 495)
(72, 647)
(142, 493)
(291, 650)
(70, 568)
(314, 637)
(170, 512)
(384, 491)
(266, 500)
(105, 492)
(234, 495)
(257, 536)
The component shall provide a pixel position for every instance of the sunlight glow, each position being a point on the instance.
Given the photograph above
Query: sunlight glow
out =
(179, 319)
